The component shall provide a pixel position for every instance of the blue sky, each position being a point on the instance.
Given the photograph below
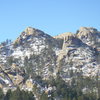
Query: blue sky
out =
(51, 16)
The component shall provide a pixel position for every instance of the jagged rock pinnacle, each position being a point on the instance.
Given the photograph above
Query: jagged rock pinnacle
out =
(30, 30)
(86, 31)
(89, 35)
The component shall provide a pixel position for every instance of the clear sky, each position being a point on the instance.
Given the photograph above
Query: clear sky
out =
(51, 16)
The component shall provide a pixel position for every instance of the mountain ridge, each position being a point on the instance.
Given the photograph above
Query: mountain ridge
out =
(37, 53)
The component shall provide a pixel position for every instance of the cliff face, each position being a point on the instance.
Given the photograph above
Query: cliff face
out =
(90, 36)
(37, 53)
(80, 52)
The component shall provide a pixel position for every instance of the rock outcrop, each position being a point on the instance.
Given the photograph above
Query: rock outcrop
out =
(37, 53)
(89, 35)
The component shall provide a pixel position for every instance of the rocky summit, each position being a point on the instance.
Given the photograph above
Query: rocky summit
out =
(35, 53)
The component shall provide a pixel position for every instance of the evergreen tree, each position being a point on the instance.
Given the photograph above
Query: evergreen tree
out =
(1, 94)
(8, 95)
(44, 96)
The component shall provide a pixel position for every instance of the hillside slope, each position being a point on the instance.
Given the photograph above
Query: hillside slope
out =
(35, 53)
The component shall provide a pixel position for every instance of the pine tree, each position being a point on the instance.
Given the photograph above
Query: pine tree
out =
(1, 94)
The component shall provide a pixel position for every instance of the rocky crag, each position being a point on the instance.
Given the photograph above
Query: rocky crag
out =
(35, 53)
